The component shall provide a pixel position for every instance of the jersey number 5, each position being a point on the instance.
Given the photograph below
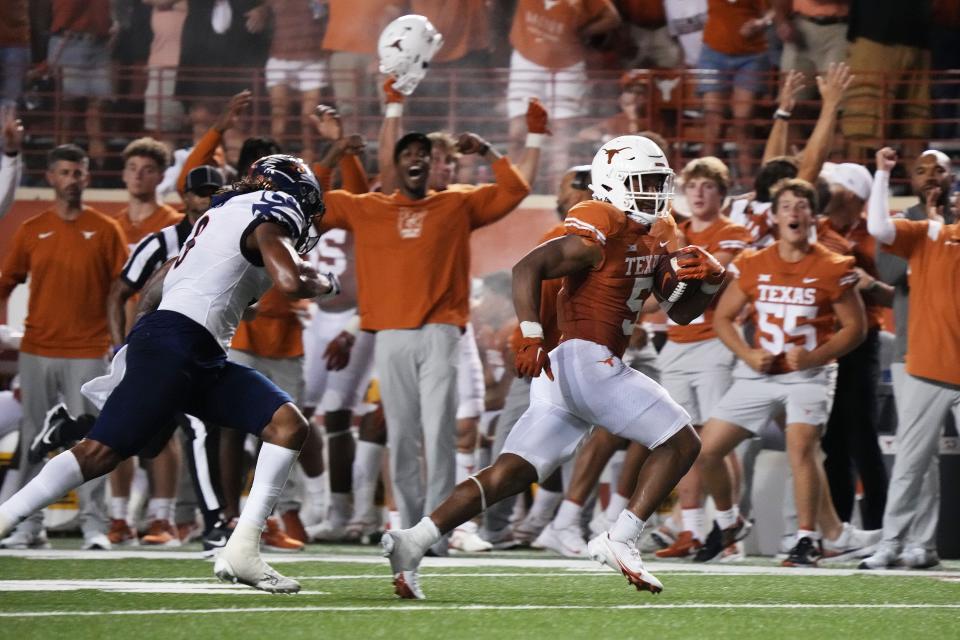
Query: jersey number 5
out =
(199, 227)
(641, 289)
(773, 335)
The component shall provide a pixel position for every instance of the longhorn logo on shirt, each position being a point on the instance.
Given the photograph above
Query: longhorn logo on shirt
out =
(410, 222)
(606, 361)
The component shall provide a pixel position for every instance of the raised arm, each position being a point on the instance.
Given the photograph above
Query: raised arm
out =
(206, 147)
(537, 129)
(778, 138)
(879, 224)
(390, 130)
(491, 202)
(832, 87)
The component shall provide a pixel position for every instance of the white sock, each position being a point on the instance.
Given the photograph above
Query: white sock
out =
(273, 468)
(728, 518)
(466, 465)
(160, 509)
(617, 504)
(806, 533)
(394, 518)
(627, 528)
(58, 476)
(339, 508)
(316, 489)
(366, 471)
(568, 515)
(545, 503)
(119, 505)
(694, 520)
(427, 529)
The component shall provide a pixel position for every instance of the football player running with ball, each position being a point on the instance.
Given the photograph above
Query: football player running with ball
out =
(176, 357)
(608, 257)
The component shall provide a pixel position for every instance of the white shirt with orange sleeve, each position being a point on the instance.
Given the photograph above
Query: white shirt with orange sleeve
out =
(413, 256)
(547, 33)
(792, 301)
(723, 236)
(932, 251)
(71, 264)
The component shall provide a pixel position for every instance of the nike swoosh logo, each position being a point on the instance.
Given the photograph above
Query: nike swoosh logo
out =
(45, 234)
(809, 280)
(219, 542)
(663, 244)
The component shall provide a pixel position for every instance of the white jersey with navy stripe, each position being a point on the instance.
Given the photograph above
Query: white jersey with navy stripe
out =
(214, 279)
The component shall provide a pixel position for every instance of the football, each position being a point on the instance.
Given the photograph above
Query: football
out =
(666, 286)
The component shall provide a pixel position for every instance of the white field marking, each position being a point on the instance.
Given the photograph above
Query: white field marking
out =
(473, 607)
(134, 586)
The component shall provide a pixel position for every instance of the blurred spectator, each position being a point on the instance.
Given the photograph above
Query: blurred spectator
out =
(351, 39)
(889, 56)
(945, 50)
(144, 161)
(685, 22)
(548, 64)
(297, 61)
(71, 253)
(224, 42)
(11, 163)
(14, 51)
(814, 34)
(82, 33)
(734, 51)
(162, 113)
(647, 21)
(466, 31)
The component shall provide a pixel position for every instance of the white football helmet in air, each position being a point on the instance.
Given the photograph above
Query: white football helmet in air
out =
(632, 174)
(406, 47)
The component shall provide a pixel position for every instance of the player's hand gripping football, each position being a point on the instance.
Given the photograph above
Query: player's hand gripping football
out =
(532, 359)
(337, 353)
(697, 264)
(665, 230)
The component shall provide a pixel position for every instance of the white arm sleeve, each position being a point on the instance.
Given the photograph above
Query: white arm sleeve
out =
(10, 170)
(879, 223)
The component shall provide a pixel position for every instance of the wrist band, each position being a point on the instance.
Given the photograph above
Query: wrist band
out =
(782, 114)
(535, 140)
(353, 326)
(530, 329)
(393, 110)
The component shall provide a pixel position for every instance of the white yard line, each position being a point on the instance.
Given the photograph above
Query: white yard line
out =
(461, 562)
(498, 608)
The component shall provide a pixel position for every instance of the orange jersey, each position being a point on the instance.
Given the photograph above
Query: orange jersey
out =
(355, 24)
(71, 265)
(161, 218)
(863, 247)
(933, 331)
(602, 304)
(792, 301)
(549, 290)
(413, 256)
(464, 30)
(723, 236)
(276, 332)
(724, 21)
(757, 217)
(546, 33)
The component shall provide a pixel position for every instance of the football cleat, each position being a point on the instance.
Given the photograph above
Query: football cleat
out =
(293, 525)
(96, 542)
(527, 530)
(49, 438)
(406, 585)
(216, 539)
(464, 538)
(919, 558)
(885, 557)
(568, 541)
(245, 566)
(851, 543)
(684, 546)
(161, 533)
(405, 552)
(25, 540)
(330, 530)
(188, 532)
(624, 557)
(805, 553)
(122, 533)
(500, 539)
(718, 540)
(362, 532)
(276, 539)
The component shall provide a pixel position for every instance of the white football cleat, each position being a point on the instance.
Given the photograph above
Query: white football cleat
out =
(466, 539)
(333, 530)
(405, 554)
(568, 541)
(919, 558)
(624, 558)
(24, 540)
(244, 566)
(851, 543)
(885, 557)
(96, 542)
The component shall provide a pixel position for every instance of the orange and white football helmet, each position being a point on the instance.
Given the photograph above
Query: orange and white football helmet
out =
(632, 174)
(406, 47)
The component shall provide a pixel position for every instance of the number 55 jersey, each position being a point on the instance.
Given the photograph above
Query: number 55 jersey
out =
(792, 302)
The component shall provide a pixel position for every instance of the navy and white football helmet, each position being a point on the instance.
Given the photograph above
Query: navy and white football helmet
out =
(292, 176)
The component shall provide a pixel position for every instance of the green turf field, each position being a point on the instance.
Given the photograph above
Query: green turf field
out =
(347, 594)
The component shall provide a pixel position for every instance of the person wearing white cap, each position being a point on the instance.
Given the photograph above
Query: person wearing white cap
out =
(850, 442)
(931, 178)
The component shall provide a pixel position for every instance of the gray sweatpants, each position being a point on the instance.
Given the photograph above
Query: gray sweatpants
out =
(43, 383)
(913, 498)
(497, 516)
(418, 383)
